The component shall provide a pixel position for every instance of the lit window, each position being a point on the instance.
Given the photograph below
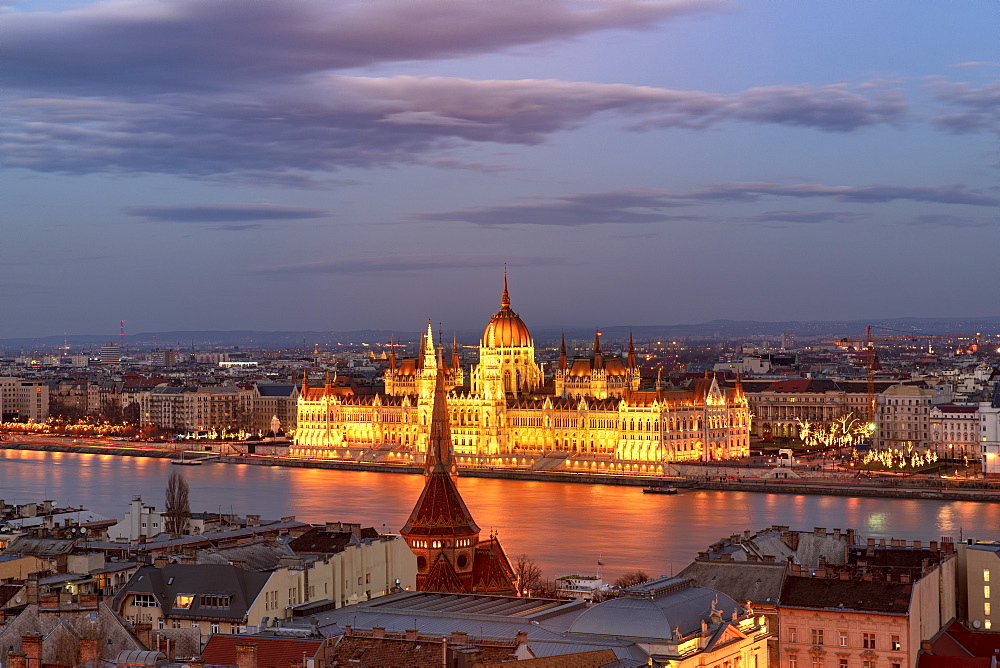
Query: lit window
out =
(183, 601)
(894, 644)
(986, 591)
(986, 608)
(987, 624)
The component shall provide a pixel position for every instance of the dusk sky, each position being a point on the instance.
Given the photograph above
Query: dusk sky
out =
(339, 165)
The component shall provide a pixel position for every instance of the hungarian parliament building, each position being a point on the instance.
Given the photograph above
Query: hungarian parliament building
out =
(591, 415)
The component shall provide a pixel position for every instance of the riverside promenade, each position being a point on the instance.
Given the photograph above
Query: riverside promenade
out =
(746, 479)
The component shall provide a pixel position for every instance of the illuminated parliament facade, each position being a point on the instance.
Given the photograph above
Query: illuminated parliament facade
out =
(590, 415)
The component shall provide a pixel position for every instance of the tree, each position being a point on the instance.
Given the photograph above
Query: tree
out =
(630, 578)
(178, 509)
(528, 572)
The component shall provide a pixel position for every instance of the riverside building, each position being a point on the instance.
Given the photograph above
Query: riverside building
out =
(592, 415)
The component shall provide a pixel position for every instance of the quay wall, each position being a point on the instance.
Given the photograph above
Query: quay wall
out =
(701, 479)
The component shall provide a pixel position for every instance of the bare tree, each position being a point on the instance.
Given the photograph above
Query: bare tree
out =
(178, 509)
(528, 572)
(630, 578)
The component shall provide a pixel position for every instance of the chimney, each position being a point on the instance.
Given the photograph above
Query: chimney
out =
(49, 602)
(904, 578)
(295, 663)
(160, 561)
(916, 544)
(871, 542)
(819, 531)
(90, 650)
(850, 536)
(144, 632)
(87, 601)
(31, 645)
(378, 632)
(17, 660)
(411, 634)
(934, 545)
(459, 638)
(31, 588)
(195, 663)
(522, 637)
(246, 655)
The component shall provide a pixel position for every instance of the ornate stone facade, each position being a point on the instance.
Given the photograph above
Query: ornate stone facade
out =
(591, 416)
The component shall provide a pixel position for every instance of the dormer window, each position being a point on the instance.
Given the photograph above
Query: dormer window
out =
(183, 601)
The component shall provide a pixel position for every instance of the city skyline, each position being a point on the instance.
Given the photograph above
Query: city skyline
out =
(306, 166)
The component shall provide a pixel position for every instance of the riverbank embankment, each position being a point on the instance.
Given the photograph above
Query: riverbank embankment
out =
(898, 488)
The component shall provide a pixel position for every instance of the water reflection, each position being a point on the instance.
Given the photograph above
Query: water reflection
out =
(566, 527)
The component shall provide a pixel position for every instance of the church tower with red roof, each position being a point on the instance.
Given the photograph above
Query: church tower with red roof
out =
(440, 529)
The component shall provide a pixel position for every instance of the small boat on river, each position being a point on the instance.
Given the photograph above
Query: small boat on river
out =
(659, 490)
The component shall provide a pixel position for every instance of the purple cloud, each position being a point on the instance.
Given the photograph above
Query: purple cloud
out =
(223, 213)
(330, 122)
(178, 45)
(945, 220)
(649, 206)
(403, 263)
(978, 109)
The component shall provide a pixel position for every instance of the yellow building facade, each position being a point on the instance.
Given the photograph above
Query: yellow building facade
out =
(592, 414)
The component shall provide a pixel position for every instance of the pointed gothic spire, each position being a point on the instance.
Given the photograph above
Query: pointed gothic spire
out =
(562, 353)
(392, 352)
(428, 353)
(598, 355)
(328, 385)
(439, 449)
(305, 381)
(455, 362)
(505, 299)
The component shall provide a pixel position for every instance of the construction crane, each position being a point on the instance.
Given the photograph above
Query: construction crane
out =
(870, 362)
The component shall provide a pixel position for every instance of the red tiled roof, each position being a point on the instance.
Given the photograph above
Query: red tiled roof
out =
(442, 577)
(271, 652)
(440, 510)
(491, 571)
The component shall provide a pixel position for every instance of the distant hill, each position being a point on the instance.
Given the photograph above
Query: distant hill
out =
(716, 329)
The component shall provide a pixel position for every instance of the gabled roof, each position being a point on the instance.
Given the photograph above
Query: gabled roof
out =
(757, 582)
(442, 577)
(172, 580)
(870, 596)
(272, 651)
(321, 541)
(491, 571)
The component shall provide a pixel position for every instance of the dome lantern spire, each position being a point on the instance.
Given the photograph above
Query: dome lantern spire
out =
(505, 299)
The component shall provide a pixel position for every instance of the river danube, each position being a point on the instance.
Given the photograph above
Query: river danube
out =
(565, 527)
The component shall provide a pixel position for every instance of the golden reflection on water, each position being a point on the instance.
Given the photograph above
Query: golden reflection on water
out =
(566, 527)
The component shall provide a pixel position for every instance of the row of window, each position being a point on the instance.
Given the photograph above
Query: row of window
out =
(819, 662)
(868, 639)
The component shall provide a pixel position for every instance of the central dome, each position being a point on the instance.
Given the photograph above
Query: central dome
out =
(506, 329)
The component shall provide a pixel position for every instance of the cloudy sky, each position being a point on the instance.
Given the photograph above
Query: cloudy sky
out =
(307, 164)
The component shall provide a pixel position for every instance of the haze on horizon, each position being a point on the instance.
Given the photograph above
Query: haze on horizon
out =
(306, 165)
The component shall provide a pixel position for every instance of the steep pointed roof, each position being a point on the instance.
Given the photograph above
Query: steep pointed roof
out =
(443, 578)
(440, 510)
(439, 448)
(491, 571)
